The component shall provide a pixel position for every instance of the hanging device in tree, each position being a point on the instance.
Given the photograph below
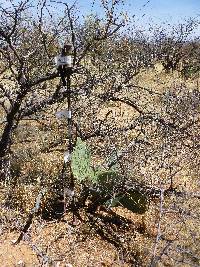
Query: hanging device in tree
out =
(64, 66)
(64, 59)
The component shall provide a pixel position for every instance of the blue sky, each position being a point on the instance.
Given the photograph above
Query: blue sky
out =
(156, 10)
(152, 11)
(161, 10)
(145, 11)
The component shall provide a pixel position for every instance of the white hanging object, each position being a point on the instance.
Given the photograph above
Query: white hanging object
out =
(63, 61)
(63, 114)
(67, 157)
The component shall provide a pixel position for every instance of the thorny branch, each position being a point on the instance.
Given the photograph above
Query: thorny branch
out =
(158, 236)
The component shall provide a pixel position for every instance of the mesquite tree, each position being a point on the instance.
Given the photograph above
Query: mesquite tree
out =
(28, 47)
(173, 44)
(25, 68)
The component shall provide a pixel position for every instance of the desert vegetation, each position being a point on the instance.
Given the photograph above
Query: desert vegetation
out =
(116, 182)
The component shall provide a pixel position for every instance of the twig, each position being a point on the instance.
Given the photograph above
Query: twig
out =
(32, 213)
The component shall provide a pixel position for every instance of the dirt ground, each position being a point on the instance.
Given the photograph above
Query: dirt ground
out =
(102, 241)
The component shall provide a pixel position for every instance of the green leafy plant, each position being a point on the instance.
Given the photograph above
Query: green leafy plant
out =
(81, 162)
(105, 184)
(134, 201)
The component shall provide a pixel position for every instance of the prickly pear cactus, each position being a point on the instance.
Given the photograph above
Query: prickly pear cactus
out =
(107, 180)
(134, 201)
(81, 160)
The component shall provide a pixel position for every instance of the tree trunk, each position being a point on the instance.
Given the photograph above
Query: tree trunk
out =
(5, 143)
